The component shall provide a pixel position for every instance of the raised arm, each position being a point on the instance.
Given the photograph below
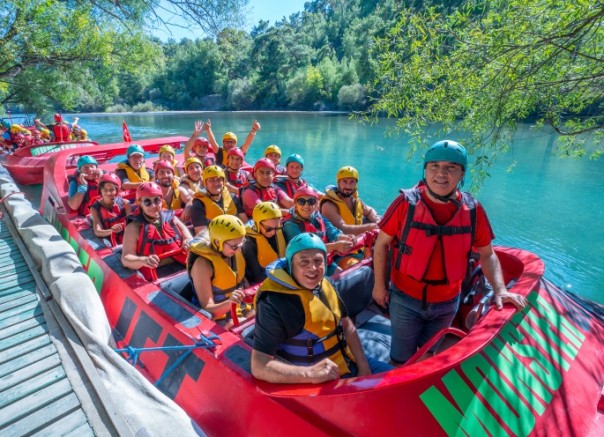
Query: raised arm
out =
(208, 128)
(197, 129)
(250, 137)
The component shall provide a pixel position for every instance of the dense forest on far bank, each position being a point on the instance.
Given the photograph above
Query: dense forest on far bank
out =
(472, 65)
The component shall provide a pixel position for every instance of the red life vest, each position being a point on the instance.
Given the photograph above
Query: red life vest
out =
(316, 225)
(61, 132)
(91, 195)
(113, 216)
(417, 241)
(153, 241)
(289, 186)
(237, 179)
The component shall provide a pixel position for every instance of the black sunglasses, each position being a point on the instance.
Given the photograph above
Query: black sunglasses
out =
(310, 202)
(155, 201)
(271, 229)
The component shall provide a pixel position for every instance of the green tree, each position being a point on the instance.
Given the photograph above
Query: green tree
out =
(484, 67)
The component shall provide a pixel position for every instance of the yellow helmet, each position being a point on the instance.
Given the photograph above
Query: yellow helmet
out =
(266, 211)
(192, 160)
(272, 149)
(225, 227)
(167, 148)
(347, 172)
(229, 136)
(213, 171)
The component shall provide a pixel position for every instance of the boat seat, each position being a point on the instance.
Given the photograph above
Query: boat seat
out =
(355, 290)
(180, 285)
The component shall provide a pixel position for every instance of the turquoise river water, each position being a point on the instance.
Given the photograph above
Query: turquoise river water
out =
(545, 204)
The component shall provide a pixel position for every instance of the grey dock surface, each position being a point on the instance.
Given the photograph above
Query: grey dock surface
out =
(48, 385)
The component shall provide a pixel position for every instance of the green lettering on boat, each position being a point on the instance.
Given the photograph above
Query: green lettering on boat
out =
(518, 375)
(563, 325)
(498, 394)
(540, 364)
(469, 417)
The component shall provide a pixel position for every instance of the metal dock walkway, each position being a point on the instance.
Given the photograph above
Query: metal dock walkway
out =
(46, 386)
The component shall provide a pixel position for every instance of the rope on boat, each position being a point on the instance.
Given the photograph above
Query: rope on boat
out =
(205, 342)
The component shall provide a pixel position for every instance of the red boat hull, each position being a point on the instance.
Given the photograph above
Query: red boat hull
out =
(539, 372)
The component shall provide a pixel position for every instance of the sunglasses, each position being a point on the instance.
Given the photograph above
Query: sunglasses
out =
(235, 246)
(271, 229)
(155, 201)
(310, 202)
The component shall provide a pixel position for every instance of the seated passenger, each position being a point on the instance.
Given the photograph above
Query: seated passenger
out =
(343, 207)
(83, 185)
(273, 152)
(305, 217)
(292, 180)
(192, 179)
(78, 134)
(152, 231)
(110, 211)
(174, 196)
(167, 153)
(214, 200)
(132, 172)
(264, 243)
(229, 140)
(236, 178)
(262, 189)
(303, 333)
(199, 147)
(216, 267)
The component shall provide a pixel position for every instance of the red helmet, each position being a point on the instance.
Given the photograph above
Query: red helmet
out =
(148, 189)
(58, 118)
(162, 164)
(264, 162)
(201, 141)
(111, 178)
(236, 151)
(305, 191)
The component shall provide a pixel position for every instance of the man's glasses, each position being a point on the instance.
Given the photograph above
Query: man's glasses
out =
(155, 201)
(271, 229)
(310, 202)
(235, 246)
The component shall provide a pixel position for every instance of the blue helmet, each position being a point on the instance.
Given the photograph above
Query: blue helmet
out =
(447, 150)
(135, 148)
(302, 242)
(295, 158)
(85, 160)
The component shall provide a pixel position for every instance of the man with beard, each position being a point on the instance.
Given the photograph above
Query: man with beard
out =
(263, 189)
(174, 196)
(343, 207)
(215, 200)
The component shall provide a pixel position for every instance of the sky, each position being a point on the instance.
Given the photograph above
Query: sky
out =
(271, 10)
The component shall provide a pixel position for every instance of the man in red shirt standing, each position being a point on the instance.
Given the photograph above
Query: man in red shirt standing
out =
(435, 227)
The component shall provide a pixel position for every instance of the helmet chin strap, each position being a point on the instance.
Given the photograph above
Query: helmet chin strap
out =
(446, 198)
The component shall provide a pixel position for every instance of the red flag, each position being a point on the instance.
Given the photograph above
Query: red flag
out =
(127, 137)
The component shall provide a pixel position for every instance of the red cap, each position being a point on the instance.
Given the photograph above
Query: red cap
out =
(305, 191)
(163, 164)
(58, 118)
(148, 189)
(236, 151)
(264, 162)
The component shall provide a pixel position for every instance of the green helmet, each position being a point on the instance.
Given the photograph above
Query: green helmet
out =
(85, 160)
(447, 150)
(302, 242)
(295, 158)
(135, 148)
